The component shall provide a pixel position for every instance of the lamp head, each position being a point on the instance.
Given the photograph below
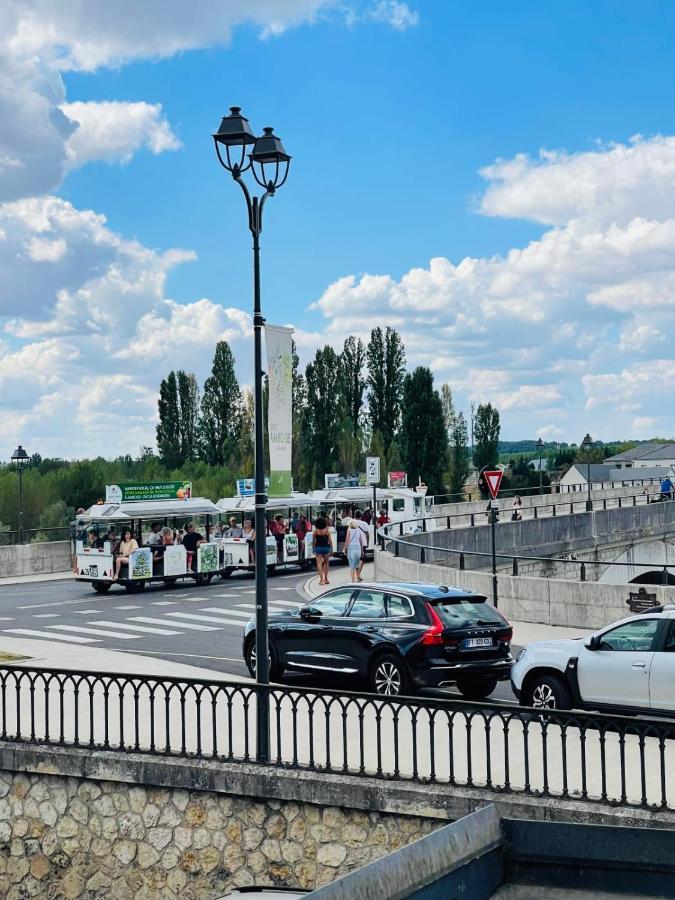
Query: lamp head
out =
(20, 457)
(540, 443)
(587, 442)
(269, 151)
(234, 131)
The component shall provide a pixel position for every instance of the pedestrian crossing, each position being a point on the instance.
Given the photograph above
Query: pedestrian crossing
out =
(157, 618)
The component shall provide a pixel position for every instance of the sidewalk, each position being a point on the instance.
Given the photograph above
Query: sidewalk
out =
(523, 632)
(28, 579)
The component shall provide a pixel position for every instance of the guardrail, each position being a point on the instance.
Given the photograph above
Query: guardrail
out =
(28, 535)
(391, 536)
(553, 489)
(567, 755)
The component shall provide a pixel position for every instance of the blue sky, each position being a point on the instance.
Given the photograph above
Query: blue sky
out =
(550, 294)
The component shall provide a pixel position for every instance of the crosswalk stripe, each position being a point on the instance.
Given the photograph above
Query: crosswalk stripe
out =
(144, 629)
(217, 619)
(151, 621)
(47, 616)
(226, 612)
(115, 634)
(49, 635)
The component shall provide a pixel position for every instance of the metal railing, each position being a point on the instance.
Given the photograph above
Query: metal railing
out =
(568, 755)
(392, 536)
(28, 535)
(547, 489)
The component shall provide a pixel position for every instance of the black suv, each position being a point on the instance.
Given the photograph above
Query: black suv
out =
(396, 637)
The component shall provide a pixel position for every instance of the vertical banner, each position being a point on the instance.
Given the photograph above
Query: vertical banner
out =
(280, 411)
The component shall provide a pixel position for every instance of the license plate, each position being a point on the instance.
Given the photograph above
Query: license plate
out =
(478, 642)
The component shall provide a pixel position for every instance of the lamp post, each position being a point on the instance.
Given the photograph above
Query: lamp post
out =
(540, 445)
(232, 140)
(20, 459)
(587, 443)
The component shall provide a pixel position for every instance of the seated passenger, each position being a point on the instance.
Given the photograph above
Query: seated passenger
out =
(166, 540)
(128, 544)
(94, 542)
(234, 529)
(154, 537)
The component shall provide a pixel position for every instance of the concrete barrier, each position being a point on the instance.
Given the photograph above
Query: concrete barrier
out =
(34, 559)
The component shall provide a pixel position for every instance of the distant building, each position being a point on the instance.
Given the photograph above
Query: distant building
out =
(604, 476)
(647, 455)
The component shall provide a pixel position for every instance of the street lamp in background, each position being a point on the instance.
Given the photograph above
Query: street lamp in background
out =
(268, 162)
(540, 445)
(587, 443)
(20, 459)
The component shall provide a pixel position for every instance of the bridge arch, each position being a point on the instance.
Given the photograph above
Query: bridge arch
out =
(647, 560)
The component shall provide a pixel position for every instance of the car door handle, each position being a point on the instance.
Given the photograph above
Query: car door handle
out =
(638, 665)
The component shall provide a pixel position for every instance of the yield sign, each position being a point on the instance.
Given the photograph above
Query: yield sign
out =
(494, 480)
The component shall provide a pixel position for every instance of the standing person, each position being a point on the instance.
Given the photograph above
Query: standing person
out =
(516, 515)
(383, 518)
(279, 529)
(128, 544)
(295, 518)
(322, 548)
(365, 531)
(367, 515)
(355, 544)
(666, 488)
(191, 541)
(302, 529)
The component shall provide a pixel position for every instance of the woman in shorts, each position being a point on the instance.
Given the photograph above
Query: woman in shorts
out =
(323, 547)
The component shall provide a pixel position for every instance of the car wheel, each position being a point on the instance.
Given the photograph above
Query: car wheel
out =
(101, 587)
(547, 692)
(388, 676)
(250, 658)
(478, 689)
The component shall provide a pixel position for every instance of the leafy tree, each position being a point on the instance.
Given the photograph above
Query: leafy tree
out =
(188, 415)
(386, 369)
(246, 435)
(486, 436)
(168, 443)
(322, 419)
(221, 410)
(424, 440)
(459, 455)
(376, 446)
(299, 399)
(394, 457)
(352, 383)
(349, 447)
(448, 407)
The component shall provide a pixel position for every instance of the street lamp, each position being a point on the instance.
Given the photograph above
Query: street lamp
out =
(540, 445)
(269, 163)
(20, 459)
(587, 443)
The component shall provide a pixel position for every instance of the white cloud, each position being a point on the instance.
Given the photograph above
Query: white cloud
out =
(114, 131)
(392, 12)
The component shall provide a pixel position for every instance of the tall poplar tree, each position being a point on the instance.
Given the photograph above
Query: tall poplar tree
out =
(188, 415)
(424, 439)
(352, 381)
(459, 455)
(322, 419)
(221, 411)
(167, 431)
(386, 369)
(486, 430)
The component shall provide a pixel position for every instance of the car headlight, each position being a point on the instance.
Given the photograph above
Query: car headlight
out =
(521, 653)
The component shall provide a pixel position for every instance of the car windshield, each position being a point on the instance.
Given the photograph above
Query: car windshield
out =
(456, 612)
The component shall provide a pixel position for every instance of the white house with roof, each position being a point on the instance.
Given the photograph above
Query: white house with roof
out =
(644, 456)
(603, 475)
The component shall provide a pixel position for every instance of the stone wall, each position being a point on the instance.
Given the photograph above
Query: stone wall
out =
(34, 559)
(72, 838)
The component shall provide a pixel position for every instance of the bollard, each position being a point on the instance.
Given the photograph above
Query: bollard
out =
(582, 574)
(473, 519)
(423, 555)
(461, 562)
(553, 509)
(448, 525)
(572, 508)
(535, 512)
(515, 565)
(604, 502)
(619, 502)
(634, 500)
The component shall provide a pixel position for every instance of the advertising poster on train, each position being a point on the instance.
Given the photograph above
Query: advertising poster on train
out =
(278, 341)
(271, 551)
(207, 558)
(140, 563)
(291, 548)
(175, 560)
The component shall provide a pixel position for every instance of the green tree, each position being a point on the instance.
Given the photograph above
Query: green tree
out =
(351, 380)
(322, 419)
(458, 469)
(448, 407)
(299, 399)
(394, 457)
(167, 431)
(246, 436)
(486, 436)
(188, 415)
(386, 370)
(221, 410)
(424, 440)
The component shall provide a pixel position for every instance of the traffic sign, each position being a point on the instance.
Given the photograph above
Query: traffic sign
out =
(373, 469)
(493, 480)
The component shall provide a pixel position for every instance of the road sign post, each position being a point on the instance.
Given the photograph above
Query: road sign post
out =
(493, 479)
(373, 477)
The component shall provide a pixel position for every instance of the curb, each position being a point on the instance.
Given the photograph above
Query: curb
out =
(37, 579)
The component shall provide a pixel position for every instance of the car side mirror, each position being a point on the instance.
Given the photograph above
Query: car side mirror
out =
(310, 612)
(593, 643)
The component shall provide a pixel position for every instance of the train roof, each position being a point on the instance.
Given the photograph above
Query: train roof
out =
(152, 509)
